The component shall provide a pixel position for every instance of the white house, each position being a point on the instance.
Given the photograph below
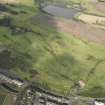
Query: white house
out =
(98, 103)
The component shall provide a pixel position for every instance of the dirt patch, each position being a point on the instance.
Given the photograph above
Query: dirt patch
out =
(77, 28)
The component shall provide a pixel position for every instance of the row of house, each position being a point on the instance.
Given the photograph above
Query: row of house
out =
(14, 81)
(50, 97)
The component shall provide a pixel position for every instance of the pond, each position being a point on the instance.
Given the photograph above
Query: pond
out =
(60, 11)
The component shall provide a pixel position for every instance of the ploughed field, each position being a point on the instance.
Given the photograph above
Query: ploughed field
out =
(52, 52)
(99, 6)
(77, 28)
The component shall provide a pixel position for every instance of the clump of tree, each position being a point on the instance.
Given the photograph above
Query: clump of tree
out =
(42, 3)
(10, 61)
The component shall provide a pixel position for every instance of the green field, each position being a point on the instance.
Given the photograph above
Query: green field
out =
(6, 98)
(2, 97)
(51, 59)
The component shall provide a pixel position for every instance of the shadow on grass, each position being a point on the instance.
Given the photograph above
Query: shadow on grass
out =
(95, 92)
(7, 61)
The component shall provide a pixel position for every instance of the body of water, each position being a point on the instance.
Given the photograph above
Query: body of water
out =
(59, 11)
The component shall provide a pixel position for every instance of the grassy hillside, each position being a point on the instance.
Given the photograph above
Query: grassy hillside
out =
(6, 98)
(49, 58)
(22, 2)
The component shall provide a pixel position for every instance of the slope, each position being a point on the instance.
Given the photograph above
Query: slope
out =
(45, 56)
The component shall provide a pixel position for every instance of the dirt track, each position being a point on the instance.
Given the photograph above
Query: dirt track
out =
(77, 28)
